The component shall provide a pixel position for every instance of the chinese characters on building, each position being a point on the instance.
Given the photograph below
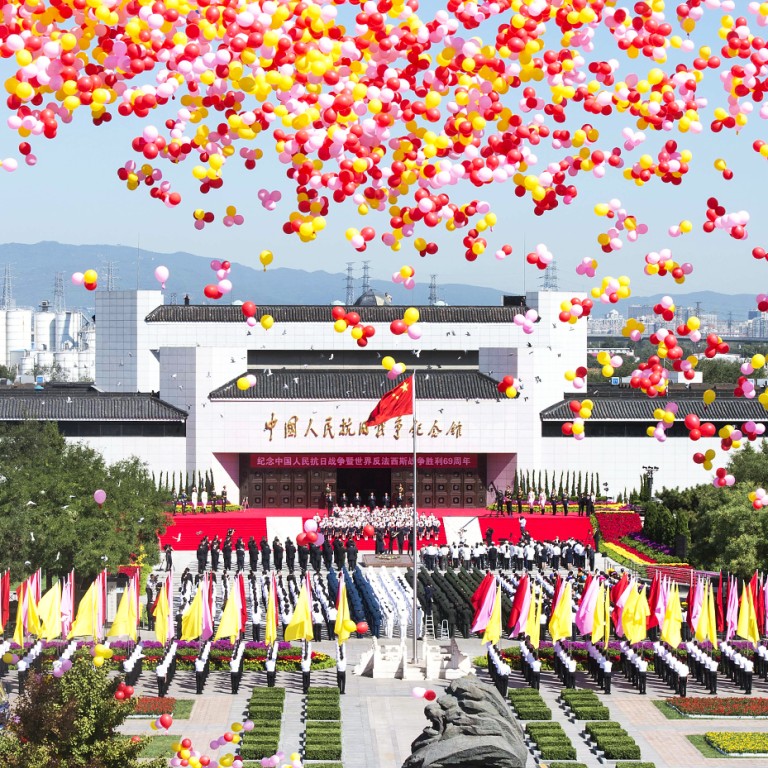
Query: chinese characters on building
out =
(386, 461)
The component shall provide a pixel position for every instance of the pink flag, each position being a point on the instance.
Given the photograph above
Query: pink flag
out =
(695, 603)
(67, 603)
(585, 613)
(207, 632)
(483, 616)
(732, 614)
(525, 607)
(661, 604)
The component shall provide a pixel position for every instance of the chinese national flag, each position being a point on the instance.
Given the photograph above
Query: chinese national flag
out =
(397, 402)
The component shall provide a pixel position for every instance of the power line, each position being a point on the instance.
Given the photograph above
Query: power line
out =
(350, 281)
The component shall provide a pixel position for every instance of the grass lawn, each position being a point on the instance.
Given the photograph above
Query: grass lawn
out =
(159, 746)
(183, 709)
(669, 712)
(705, 747)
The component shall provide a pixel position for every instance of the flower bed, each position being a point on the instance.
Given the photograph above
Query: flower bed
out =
(720, 707)
(643, 542)
(738, 743)
(153, 705)
(615, 525)
(643, 547)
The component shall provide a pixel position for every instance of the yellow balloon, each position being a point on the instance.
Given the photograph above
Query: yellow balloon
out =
(357, 332)
(511, 392)
(709, 396)
(758, 361)
(388, 363)
(650, 431)
(340, 325)
(98, 661)
(406, 272)
(267, 321)
(570, 375)
(411, 316)
(265, 257)
(242, 384)
(90, 276)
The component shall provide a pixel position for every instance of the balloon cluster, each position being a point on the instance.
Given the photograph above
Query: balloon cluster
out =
(705, 459)
(422, 246)
(735, 224)
(759, 498)
(683, 228)
(745, 387)
(730, 437)
(722, 166)
(88, 279)
(224, 284)
(424, 693)
(670, 164)
(408, 324)
(503, 252)
(698, 429)
(651, 377)
(162, 723)
(202, 217)
(715, 346)
(578, 377)
(663, 264)
(343, 320)
(392, 368)
(722, 479)
(611, 240)
(612, 289)
(752, 430)
(665, 308)
(582, 410)
(665, 419)
(269, 200)
(244, 383)
(609, 363)
(232, 217)
(310, 534)
(359, 238)
(541, 256)
(691, 328)
(101, 654)
(123, 691)
(587, 267)
(633, 329)
(134, 175)
(667, 346)
(762, 302)
(508, 387)
(571, 311)
(405, 276)
(527, 320)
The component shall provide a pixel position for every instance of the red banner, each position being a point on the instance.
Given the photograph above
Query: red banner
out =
(362, 461)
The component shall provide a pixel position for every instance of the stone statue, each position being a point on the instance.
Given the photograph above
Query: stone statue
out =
(471, 726)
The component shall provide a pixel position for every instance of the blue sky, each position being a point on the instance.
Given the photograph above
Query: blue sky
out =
(73, 195)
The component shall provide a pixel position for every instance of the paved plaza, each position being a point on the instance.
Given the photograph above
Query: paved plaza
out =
(380, 718)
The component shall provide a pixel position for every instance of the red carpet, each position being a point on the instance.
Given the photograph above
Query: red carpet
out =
(186, 530)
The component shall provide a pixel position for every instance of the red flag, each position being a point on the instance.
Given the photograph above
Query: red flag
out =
(243, 605)
(518, 601)
(5, 607)
(653, 600)
(753, 586)
(760, 604)
(556, 593)
(397, 402)
(617, 590)
(479, 596)
(719, 615)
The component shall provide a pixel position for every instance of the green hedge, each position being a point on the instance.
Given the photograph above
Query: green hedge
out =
(322, 751)
(323, 712)
(533, 713)
(567, 765)
(591, 713)
(629, 765)
(621, 750)
(326, 765)
(595, 729)
(256, 749)
(558, 752)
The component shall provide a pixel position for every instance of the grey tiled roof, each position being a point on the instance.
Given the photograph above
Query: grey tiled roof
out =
(301, 384)
(641, 408)
(290, 313)
(45, 405)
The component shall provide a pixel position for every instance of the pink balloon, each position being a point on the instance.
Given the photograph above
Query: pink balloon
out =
(100, 496)
(78, 278)
(310, 526)
(161, 275)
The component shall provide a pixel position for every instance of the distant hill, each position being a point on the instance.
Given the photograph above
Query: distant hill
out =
(34, 267)
(711, 301)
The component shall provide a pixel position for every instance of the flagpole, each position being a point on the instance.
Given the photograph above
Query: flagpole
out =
(414, 527)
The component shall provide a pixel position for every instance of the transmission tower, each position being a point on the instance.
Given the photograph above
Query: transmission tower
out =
(173, 298)
(58, 293)
(366, 277)
(110, 275)
(698, 309)
(549, 278)
(730, 323)
(7, 301)
(432, 300)
(350, 283)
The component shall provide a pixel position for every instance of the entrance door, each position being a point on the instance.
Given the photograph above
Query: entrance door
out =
(364, 481)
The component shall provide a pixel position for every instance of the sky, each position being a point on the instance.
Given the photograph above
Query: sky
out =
(73, 195)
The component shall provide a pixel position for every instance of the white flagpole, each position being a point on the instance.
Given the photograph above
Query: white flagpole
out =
(415, 616)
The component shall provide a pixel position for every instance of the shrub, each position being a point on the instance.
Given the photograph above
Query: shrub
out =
(322, 751)
(323, 712)
(631, 765)
(621, 750)
(533, 713)
(565, 765)
(591, 713)
(558, 752)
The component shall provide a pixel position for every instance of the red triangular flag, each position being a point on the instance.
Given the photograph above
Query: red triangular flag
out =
(479, 597)
(617, 590)
(653, 600)
(760, 604)
(585, 588)
(397, 402)
(719, 615)
(517, 602)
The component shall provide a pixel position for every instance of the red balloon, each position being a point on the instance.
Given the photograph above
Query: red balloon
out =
(692, 421)
(225, 265)
(212, 292)
(430, 695)
(166, 721)
(368, 530)
(398, 327)
(695, 434)
(362, 342)
(311, 537)
(186, 743)
(338, 312)
(301, 539)
(119, 695)
(248, 308)
(369, 331)
(567, 428)
(128, 690)
(575, 406)
(362, 627)
(135, 739)
(699, 458)
(90, 286)
(707, 429)
(352, 318)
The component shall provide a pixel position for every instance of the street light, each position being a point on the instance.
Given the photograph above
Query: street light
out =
(649, 473)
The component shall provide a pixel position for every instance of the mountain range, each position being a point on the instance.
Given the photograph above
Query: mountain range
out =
(33, 269)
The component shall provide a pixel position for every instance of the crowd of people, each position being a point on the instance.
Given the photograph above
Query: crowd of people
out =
(540, 502)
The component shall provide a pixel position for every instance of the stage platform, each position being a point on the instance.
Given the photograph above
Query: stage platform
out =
(185, 531)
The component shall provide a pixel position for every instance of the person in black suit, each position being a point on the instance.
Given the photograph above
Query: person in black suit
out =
(253, 554)
(351, 554)
(240, 554)
(215, 553)
(372, 500)
(290, 554)
(277, 554)
(327, 550)
(400, 539)
(303, 551)
(328, 498)
(226, 551)
(266, 553)
(339, 554)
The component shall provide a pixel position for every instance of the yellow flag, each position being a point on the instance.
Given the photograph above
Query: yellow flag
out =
(270, 630)
(85, 624)
(162, 609)
(702, 628)
(598, 622)
(561, 621)
(493, 629)
(673, 620)
(125, 617)
(300, 625)
(229, 624)
(343, 624)
(535, 626)
(532, 621)
(607, 637)
(192, 618)
(712, 618)
(640, 615)
(49, 612)
(628, 613)
(747, 626)
(18, 632)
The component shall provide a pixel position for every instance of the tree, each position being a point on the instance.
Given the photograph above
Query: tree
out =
(719, 371)
(659, 524)
(47, 507)
(7, 372)
(71, 722)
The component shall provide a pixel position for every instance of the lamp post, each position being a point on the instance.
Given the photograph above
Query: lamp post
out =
(649, 473)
